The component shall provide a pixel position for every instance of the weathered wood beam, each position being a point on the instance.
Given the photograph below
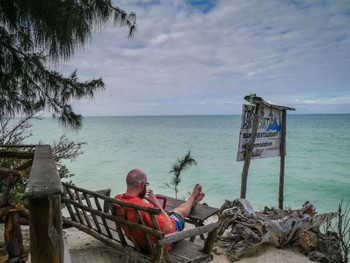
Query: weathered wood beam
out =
(176, 236)
(17, 146)
(248, 153)
(18, 155)
(43, 191)
(46, 240)
(43, 179)
(9, 172)
(111, 200)
(14, 239)
(259, 100)
(282, 160)
(25, 165)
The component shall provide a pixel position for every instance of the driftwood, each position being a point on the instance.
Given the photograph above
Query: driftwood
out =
(10, 210)
(13, 233)
(243, 230)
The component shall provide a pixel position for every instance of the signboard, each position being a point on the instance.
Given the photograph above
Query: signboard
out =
(268, 136)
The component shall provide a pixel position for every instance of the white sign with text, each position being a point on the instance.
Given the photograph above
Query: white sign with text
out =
(268, 136)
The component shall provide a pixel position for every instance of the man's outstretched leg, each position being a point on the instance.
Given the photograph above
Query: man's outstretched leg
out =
(195, 197)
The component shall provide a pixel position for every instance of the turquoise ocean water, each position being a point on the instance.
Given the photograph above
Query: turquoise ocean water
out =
(317, 163)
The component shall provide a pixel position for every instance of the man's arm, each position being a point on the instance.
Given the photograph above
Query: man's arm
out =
(153, 200)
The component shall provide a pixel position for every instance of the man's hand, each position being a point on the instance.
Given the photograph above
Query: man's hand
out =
(151, 197)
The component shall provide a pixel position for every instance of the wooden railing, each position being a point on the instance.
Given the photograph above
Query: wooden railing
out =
(43, 191)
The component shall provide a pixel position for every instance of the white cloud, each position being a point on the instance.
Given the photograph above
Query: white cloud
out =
(185, 61)
(326, 101)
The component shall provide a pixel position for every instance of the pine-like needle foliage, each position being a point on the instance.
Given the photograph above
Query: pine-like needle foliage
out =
(179, 166)
(36, 32)
(15, 132)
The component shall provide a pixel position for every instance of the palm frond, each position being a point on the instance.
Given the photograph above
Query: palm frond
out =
(180, 165)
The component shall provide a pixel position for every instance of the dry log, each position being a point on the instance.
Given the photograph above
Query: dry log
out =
(244, 230)
(9, 172)
(18, 155)
(14, 239)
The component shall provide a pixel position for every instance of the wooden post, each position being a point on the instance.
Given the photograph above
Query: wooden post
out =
(248, 152)
(43, 191)
(282, 161)
(14, 238)
(46, 243)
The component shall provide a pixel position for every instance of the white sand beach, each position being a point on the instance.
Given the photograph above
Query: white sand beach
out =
(267, 254)
(81, 247)
(84, 248)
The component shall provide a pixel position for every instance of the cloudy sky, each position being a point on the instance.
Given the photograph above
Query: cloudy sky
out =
(202, 57)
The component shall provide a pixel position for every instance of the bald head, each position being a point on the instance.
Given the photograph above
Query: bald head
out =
(135, 177)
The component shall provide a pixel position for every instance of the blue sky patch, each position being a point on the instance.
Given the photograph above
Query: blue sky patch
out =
(204, 5)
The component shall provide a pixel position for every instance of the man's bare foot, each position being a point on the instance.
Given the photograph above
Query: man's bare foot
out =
(198, 199)
(196, 191)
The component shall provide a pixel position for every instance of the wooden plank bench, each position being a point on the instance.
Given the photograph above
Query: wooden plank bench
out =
(197, 216)
(93, 213)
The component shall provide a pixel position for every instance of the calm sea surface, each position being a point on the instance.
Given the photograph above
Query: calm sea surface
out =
(317, 163)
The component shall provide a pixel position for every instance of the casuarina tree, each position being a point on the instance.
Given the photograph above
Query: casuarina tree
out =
(37, 34)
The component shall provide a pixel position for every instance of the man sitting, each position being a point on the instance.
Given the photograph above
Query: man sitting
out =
(169, 222)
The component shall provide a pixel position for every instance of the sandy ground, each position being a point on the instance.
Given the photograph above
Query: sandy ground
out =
(84, 248)
(80, 247)
(267, 254)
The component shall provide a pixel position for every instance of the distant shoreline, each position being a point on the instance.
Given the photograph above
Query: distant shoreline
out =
(202, 115)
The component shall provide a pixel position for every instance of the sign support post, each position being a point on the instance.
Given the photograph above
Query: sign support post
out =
(282, 161)
(262, 135)
(248, 153)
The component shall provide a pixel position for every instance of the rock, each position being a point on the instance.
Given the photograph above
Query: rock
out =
(307, 239)
(319, 257)
(329, 245)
